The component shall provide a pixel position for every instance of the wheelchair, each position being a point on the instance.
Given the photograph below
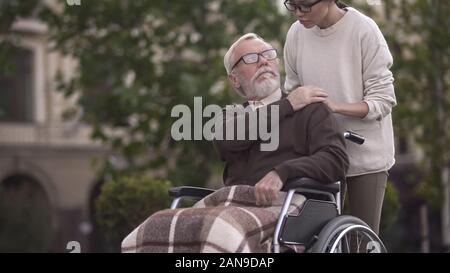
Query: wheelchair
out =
(320, 226)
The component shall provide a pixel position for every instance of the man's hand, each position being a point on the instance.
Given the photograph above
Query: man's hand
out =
(305, 95)
(267, 189)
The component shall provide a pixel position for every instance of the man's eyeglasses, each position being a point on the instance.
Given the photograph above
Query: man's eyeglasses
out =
(305, 8)
(251, 58)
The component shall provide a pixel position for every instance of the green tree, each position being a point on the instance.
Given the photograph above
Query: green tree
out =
(419, 34)
(12, 9)
(126, 202)
(138, 59)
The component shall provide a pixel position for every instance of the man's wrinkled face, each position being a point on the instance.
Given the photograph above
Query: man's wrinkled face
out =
(257, 80)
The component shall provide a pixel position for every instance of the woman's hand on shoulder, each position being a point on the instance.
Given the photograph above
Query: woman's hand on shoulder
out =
(305, 95)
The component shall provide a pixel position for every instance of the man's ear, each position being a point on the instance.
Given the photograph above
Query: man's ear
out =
(234, 80)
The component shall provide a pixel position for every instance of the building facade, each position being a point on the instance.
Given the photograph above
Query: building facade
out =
(46, 162)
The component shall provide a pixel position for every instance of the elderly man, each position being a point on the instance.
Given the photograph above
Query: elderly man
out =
(237, 218)
(310, 143)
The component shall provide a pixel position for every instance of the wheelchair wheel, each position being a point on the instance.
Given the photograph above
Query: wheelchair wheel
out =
(348, 234)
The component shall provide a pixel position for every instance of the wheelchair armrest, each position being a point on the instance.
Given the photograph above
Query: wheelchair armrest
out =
(185, 191)
(308, 183)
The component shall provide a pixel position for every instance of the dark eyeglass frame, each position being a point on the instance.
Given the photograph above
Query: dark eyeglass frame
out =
(301, 7)
(242, 58)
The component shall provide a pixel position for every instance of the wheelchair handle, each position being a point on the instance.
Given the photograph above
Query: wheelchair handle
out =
(310, 184)
(354, 137)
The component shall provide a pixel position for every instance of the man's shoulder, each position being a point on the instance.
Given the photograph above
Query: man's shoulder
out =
(315, 108)
(313, 113)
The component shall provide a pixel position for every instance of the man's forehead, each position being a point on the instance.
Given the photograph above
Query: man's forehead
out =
(250, 46)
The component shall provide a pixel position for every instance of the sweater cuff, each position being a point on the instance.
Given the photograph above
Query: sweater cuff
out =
(282, 173)
(371, 114)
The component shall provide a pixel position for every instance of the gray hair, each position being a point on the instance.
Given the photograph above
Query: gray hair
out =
(228, 56)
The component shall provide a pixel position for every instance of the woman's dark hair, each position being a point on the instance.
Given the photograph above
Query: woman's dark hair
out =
(341, 5)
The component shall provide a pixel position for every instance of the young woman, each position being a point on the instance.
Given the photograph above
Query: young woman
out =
(343, 52)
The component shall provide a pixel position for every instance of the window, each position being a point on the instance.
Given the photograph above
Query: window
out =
(16, 88)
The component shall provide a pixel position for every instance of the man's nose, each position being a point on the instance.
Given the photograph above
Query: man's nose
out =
(262, 61)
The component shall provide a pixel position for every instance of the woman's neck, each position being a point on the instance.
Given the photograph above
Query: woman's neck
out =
(333, 16)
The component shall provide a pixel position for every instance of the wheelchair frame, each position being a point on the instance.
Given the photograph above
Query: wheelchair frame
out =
(328, 239)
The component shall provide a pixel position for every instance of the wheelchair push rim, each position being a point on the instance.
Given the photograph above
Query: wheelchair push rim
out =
(356, 239)
(347, 234)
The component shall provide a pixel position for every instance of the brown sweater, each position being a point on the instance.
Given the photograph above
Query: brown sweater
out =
(310, 145)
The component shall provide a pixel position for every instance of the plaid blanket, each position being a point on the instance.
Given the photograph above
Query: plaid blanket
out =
(227, 220)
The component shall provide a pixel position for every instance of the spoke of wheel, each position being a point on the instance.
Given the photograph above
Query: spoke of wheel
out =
(359, 244)
(338, 244)
(346, 242)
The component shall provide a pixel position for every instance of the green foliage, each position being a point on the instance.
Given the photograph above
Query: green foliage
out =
(419, 38)
(11, 9)
(138, 59)
(418, 35)
(126, 202)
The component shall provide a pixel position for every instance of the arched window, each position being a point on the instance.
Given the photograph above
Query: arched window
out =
(25, 216)
(16, 88)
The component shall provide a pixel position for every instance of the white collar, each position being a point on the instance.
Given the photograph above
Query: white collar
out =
(275, 96)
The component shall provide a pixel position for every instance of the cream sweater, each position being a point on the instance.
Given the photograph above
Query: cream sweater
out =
(351, 61)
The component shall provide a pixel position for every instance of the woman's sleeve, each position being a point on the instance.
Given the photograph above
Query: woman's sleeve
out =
(377, 77)
(290, 60)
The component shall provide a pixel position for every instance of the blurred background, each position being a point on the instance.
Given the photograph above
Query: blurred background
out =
(86, 90)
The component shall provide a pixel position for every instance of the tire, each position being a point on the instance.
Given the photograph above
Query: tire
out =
(337, 234)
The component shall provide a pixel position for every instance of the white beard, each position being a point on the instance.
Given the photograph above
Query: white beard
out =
(266, 87)
(260, 90)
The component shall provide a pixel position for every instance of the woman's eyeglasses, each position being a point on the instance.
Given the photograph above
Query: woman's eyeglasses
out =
(305, 8)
